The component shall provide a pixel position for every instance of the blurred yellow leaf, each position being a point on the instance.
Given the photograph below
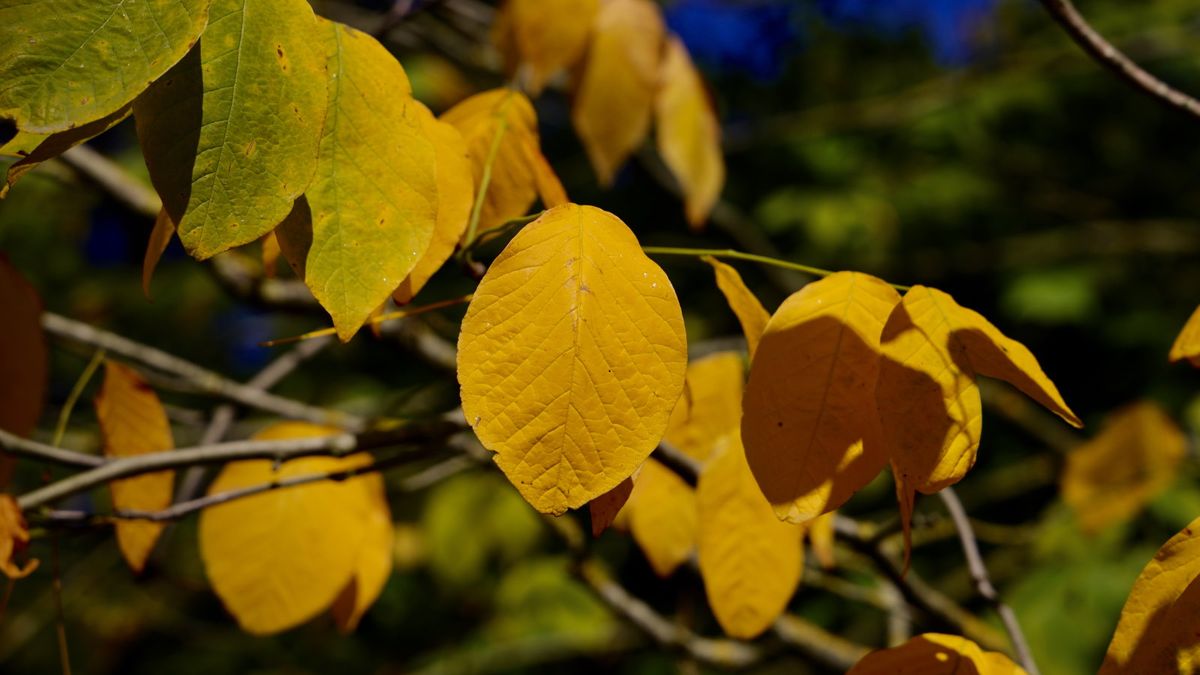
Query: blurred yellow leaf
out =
(935, 654)
(456, 193)
(614, 95)
(662, 517)
(14, 537)
(750, 560)
(689, 136)
(278, 558)
(23, 365)
(1157, 631)
(571, 357)
(742, 301)
(1135, 456)
(810, 427)
(711, 406)
(544, 35)
(1187, 344)
(603, 510)
(820, 536)
(499, 127)
(133, 422)
(375, 560)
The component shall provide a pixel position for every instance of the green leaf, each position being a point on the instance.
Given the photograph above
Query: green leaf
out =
(230, 134)
(64, 63)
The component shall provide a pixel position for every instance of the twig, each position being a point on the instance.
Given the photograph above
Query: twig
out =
(113, 178)
(1103, 51)
(983, 583)
(206, 380)
(22, 447)
(741, 255)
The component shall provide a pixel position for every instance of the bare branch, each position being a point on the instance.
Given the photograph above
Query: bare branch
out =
(983, 583)
(1103, 51)
(118, 182)
(21, 447)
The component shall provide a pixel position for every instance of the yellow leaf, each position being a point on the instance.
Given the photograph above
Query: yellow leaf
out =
(456, 193)
(544, 35)
(1157, 630)
(927, 397)
(14, 537)
(278, 558)
(614, 96)
(820, 536)
(745, 305)
(133, 422)
(1187, 344)
(374, 564)
(689, 136)
(499, 127)
(603, 510)
(662, 517)
(160, 239)
(374, 198)
(1112, 477)
(810, 426)
(711, 406)
(936, 654)
(571, 357)
(23, 364)
(750, 560)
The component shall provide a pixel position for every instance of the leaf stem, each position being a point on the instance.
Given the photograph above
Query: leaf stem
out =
(741, 255)
(373, 320)
(64, 416)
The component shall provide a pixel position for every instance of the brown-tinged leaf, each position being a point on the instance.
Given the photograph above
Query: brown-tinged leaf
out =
(160, 239)
(14, 537)
(603, 510)
(38, 148)
(133, 422)
(745, 305)
(23, 358)
(545, 36)
(689, 136)
(936, 654)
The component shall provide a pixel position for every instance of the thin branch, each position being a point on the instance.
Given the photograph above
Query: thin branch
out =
(16, 446)
(983, 582)
(741, 255)
(114, 179)
(204, 379)
(1103, 51)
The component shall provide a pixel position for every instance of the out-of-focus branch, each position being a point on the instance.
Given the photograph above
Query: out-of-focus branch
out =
(115, 180)
(12, 444)
(983, 582)
(1103, 51)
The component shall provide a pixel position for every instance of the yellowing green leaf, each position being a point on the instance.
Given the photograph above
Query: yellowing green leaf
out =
(662, 517)
(278, 558)
(750, 560)
(1157, 630)
(936, 654)
(544, 35)
(499, 127)
(64, 63)
(230, 133)
(571, 357)
(456, 193)
(810, 426)
(374, 200)
(33, 149)
(614, 97)
(1187, 344)
(23, 361)
(133, 422)
(1112, 477)
(689, 136)
(374, 564)
(742, 301)
(603, 510)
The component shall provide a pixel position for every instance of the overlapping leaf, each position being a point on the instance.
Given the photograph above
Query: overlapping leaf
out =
(65, 63)
(33, 149)
(936, 654)
(689, 136)
(603, 510)
(662, 517)
(1187, 344)
(742, 301)
(571, 357)
(810, 424)
(374, 564)
(711, 406)
(230, 133)
(23, 361)
(546, 36)
(614, 97)
(133, 422)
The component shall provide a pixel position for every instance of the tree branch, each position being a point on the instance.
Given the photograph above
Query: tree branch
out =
(983, 583)
(1103, 51)
(12, 444)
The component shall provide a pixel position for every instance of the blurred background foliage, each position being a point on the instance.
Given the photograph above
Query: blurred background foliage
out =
(966, 144)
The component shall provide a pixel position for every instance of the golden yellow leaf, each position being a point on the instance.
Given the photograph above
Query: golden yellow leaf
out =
(810, 426)
(614, 95)
(927, 397)
(133, 422)
(689, 136)
(820, 532)
(603, 510)
(1187, 344)
(544, 35)
(278, 558)
(711, 406)
(745, 305)
(662, 517)
(1157, 630)
(456, 193)
(375, 560)
(571, 357)
(160, 238)
(499, 127)
(936, 654)
(750, 560)
(14, 537)
(23, 363)
(1135, 456)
